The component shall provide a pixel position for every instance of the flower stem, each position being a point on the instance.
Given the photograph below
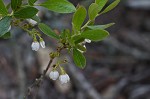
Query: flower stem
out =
(85, 25)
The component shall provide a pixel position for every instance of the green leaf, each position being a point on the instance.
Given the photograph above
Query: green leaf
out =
(111, 6)
(78, 39)
(79, 17)
(31, 2)
(6, 36)
(15, 4)
(95, 35)
(47, 30)
(4, 25)
(71, 42)
(96, 27)
(60, 6)
(26, 12)
(93, 11)
(79, 58)
(101, 4)
(3, 10)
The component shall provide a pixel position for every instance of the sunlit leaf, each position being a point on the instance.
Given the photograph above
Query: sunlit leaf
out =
(15, 4)
(4, 25)
(3, 10)
(26, 12)
(95, 35)
(60, 6)
(111, 6)
(95, 27)
(93, 11)
(79, 58)
(101, 4)
(79, 17)
(47, 30)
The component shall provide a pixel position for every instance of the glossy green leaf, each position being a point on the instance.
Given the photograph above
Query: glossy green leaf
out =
(78, 39)
(95, 35)
(4, 25)
(47, 30)
(111, 6)
(93, 11)
(3, 10)
(79, 17)
(6, 36)
(60, 6)
(96, 27)
(15, 4)
(31, 2)
(101, 4)
(26, 12)
(79, 58)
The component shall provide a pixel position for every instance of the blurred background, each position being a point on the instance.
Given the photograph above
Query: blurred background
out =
(117, 68)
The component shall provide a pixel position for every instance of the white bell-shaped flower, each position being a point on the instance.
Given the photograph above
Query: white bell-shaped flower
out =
(35, 46)
(87, 40)
(54, 75)
(33, 22)
(64, 78)
(42, 43)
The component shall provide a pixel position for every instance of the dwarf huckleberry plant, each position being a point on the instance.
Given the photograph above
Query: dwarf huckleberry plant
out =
(24, 15)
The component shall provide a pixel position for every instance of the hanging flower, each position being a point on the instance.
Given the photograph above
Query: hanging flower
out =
(35, 46)
(54, 75)
(42, 43)
(32, 22)
(64, 78)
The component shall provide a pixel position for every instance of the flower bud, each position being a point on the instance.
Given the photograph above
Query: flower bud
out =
(64, 78)
(35, 46)
(42, 43)
(54, 75)
(32, 22)
(87, 40)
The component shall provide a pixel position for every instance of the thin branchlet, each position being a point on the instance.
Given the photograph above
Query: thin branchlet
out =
(37, 83)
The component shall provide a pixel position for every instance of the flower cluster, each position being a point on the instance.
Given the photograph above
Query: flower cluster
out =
(36, 45)
(64, 78)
